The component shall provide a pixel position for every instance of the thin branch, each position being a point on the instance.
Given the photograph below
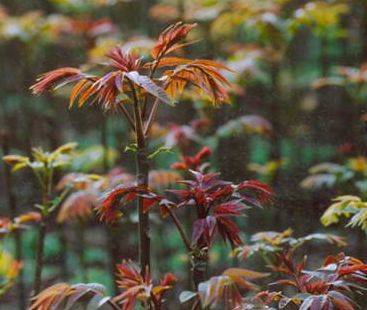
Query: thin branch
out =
(151, 74)
(181, 229)
(127, 115)
(151, 117)
(39, 256)
(154, 109)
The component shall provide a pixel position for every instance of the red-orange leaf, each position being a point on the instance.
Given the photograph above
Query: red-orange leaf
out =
(123, 61)
(226, 288)
(58, 77)
(193, 162)
(77, 206)
(108, 209)
(203, 74)
(261, 190)
(170, 37)
(28, 217)
(138, 288)
(65, 296)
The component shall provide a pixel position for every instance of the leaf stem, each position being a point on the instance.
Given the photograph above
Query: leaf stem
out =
(127, 115)
(151, 74)
(46, 192)
(39, 257)
(181, 229)
(151, 117)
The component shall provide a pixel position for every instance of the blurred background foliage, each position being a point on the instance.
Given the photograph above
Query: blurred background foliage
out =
(297, 119)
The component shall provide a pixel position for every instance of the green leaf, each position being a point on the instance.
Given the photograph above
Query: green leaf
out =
(19, 166)
(40, 207)
(132, 147)
(60, 163)
(162, 149)
(359, 220)
(65, 148)
(337, 209)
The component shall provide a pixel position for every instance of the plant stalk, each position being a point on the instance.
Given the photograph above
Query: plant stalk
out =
(142, 177)
(199, 268)
(46, 191)
(144, 229)
(81, 250)
(39, 257)
(63, 253)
